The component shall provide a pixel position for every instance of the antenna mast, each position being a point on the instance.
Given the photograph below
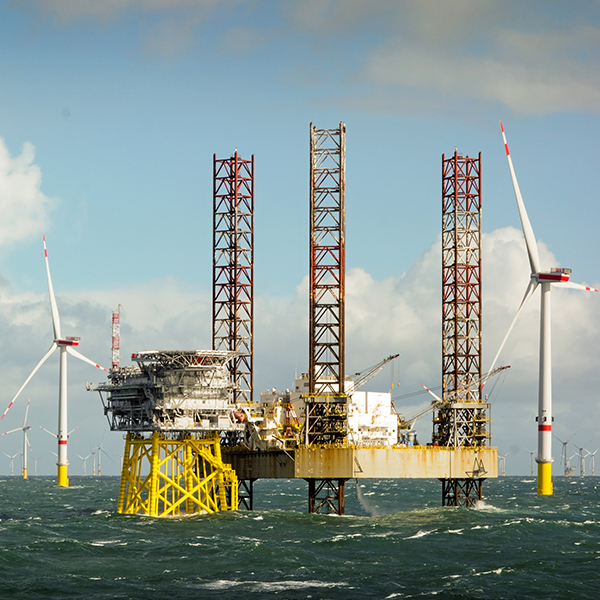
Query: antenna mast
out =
(116, 339)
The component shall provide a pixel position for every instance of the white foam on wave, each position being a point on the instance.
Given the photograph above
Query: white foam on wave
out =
(271, 586)
(346, 536)
(420, 534)
(108, 543)
(484, 506)
(497, 571)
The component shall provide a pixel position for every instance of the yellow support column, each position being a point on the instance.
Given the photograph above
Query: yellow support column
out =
(185, 475)
(545, 487)
(188, 473)
(153, 477)
(124, 473)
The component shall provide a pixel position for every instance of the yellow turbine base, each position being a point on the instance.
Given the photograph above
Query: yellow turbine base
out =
(544, 487)
(25, 473)
(172, 477)
(63, 479)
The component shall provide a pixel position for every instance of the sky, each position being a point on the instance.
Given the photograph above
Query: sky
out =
(111, 112)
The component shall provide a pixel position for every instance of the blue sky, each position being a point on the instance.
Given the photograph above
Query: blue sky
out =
(111, 113)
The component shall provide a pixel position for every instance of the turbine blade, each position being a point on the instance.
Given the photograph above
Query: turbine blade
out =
(46, 430)
(53, 306)
(573, 285)
(532, 249)
(531, 287)
(44, 359)
(436, 397)
(80, 356)
(12, 431)
(26, 411)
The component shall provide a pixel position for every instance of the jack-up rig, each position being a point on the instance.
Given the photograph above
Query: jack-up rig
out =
(196, 439)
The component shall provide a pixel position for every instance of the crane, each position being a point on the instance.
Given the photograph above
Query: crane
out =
(367, 374)
(438, 402)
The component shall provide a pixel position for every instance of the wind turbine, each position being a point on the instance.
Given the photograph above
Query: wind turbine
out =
(66, 346)
(563, 453)
(12, 459)
(502, 458)
(531, 453)
(34, 465)
(545, 279)
(582, 458)
(24, 429)
(84, 462)
(101, 449)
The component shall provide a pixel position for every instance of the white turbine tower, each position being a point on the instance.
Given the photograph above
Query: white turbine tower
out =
(502, 458)
(24, 429)
(546, 279)
(66, 346)
(593, 454)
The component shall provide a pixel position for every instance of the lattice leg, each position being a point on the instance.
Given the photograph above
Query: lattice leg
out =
(184, 476)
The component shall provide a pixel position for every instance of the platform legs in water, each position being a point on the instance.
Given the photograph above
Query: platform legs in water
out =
(171, 476)
(461, 492)
(326, 496)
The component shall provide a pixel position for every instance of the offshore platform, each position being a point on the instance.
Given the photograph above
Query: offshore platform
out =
(196, 440)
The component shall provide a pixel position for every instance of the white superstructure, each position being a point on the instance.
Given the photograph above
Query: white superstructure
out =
(372, 421)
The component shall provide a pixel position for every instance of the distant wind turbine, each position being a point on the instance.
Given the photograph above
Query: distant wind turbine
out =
(531, 453)
(26, 444)
(101, 449)
(84, 459)
(502, 458)
(12, 459)
(582, 458)
(66, 346)
(545, 279)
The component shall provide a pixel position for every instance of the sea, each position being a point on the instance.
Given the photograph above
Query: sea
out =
(395, 541)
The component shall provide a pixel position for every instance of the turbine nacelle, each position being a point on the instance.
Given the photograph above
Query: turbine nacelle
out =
(68, 341)
(555, 274)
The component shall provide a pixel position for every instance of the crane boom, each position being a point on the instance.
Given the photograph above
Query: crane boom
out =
(437, 403)
(369, 373)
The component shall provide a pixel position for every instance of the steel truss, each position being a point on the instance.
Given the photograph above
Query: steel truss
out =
(463, 418)
(233, 268)
(185, 475)
(246, 493)
(326, 496)
(326, 418)
(461, 492)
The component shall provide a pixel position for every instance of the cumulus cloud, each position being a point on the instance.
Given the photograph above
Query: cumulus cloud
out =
(530, 81)
(23, 206)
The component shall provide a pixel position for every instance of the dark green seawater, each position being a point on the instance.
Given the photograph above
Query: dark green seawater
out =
(395, 542)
